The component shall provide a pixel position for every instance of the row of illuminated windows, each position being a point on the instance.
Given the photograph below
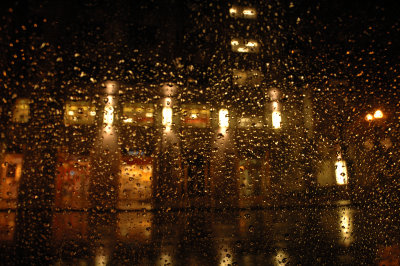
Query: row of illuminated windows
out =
(243, 12)
(83, 113)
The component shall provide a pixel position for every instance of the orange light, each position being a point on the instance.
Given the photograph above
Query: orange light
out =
(378, 114)
(369, 117)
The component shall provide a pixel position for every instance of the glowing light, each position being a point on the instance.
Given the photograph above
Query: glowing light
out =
(341, 171)
(243, 49)
(251, 44)
(378, 114)
(234, 42)
(369, 117)
(223, 118)
(149, 114)
(346, 226)
(276, 119)
(248, 12)
(108, 115)
(232, 11)
(128, 120)
(167, 116)
(92, 113)
(70, 112)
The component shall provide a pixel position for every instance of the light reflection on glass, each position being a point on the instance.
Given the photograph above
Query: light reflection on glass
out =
(281, 258)
(346, 226)
(226, 256)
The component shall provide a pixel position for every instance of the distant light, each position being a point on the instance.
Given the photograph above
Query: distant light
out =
(108, 115)
(92, 113)
(232, 10)
(341, 171)
(128, 120)
(149, 114)
(369, 117)
(243, 49)
(248, 12)
(251, 44)
(70, 112)
(378, 114)
(276, 119)
(223, 118)
(167, 116)
(234, 42)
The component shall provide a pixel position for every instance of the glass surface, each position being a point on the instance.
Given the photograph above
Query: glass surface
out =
(240, 132)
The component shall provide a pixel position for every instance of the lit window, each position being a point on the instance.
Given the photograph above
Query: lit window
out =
(167, 116)
(242, 12)
(79, 113)
(276, 115)
(21, 111)
(242, 46)
(247, 77)
(249, 122)
(195, 116)
(223, 118)
(276, 119)
(341, 170)
(138, 114)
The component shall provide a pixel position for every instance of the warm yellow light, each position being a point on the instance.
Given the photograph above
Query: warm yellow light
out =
(128, 120)
(276, 119)
(232, 10)
(251, 44)
(108, 115)
(234, 42)
(341, 171)
(243, 49)
(70, 112)
(92, 113)
(167, 116)
(378, 114)
(223, 118)
(369, 117)
(248, 12)
(149, 114)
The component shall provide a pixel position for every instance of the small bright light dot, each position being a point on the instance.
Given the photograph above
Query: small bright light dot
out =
(369, 117)
(70, 112)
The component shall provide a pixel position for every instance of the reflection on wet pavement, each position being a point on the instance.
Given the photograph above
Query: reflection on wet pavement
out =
(285, 236)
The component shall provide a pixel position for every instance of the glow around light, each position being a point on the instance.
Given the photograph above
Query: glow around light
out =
(234, 42)
(341, 171)
(369, 117)
(276, 119)
(378, 114)
(233, 10)
(167, 116)
(223, 118)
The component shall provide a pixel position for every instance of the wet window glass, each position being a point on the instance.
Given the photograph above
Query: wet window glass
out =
(239, 132)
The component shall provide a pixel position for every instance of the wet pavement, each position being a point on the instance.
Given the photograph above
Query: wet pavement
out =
(319, 235)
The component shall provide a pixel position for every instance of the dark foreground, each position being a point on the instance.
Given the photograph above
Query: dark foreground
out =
(333, 235)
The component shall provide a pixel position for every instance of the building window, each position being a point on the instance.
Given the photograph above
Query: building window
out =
(79, 113)
(243, 12)
(195, 116)
(245, 46)
(138, 114)
(72, 182)
(250, 177)
(135, 183)
(21, 113)
(250, 78)
(250, 122)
